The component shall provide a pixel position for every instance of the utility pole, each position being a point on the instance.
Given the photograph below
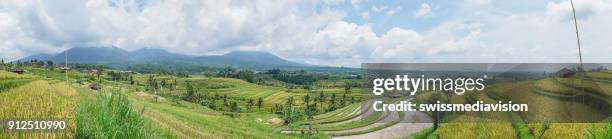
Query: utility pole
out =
(579, 50)
(577, 36)
(66, 66)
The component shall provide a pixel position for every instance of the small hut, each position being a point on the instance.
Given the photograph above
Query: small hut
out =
(18, 71)
(95, 86)
(565, 73)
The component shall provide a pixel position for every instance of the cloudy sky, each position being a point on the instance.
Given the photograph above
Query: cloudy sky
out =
(324, 32)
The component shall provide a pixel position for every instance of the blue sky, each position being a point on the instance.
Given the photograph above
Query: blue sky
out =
(386, 14)
(323, 32)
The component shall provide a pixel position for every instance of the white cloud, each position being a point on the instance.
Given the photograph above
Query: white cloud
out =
(424, 11)
(398, 43)
(539, 35)
(309, 31)
(379, 8)
(562, 10)
(190, 27)
(501, 35)
(478, 3)
(356, 3)
(365, 15)
(386, 10)
(457, 46)
(392, 11)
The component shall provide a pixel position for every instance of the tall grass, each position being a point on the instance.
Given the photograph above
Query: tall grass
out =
(9, 84)
(5, 75)
(424, 134)
(111, 115)
(595, 132)
(522, 129)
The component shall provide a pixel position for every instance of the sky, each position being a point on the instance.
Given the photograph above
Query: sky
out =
(321, 32)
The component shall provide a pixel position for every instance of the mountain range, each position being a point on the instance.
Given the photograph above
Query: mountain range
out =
(117, 56)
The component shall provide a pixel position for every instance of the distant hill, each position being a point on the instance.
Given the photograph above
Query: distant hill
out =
(117, 56)
(36, 56)
(248, 58)
(94, 55)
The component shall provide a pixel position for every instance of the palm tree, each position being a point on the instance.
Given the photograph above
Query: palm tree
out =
(321, 100)
(260, 103)
(290, 101)
(250, 104)
(306, 99)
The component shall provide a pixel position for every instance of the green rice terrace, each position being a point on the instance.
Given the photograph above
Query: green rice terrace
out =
(241, 104)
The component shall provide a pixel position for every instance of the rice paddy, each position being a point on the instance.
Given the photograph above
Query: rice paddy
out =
(44, 94)
(549, 99)
(40, 100)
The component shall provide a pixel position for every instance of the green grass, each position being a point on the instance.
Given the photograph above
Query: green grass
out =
(9, 84)
(112, 116)
(600, 75)
(522, 130)
(56, 74)
(599, 132)
(5, 75)
(424, 134)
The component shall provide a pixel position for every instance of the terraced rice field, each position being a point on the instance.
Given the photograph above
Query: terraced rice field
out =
(5, 75)
(546, 108)
(39, 100)
(595, 87)
(231, 87)
(363, 121)
(189, 120)
(181, 119)
(352, 122)
(552, 85)
(476, 124)
(346, 114)
(600, 75)
(241, 90)
(568, 130)
(549, 98)
(411, 123)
